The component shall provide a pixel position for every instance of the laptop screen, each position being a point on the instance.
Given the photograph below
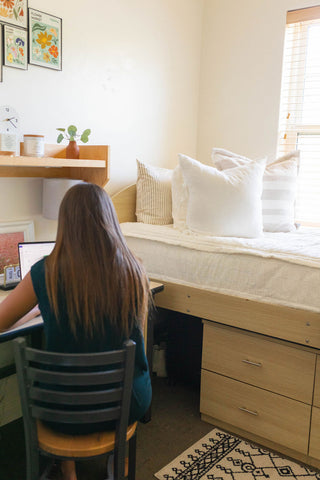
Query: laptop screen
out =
(31, 252)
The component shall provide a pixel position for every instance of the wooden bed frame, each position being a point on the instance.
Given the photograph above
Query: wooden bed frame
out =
(280, 326)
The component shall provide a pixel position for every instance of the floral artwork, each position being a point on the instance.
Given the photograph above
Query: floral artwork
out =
(14, 12)
(15, 47)
(45, 42)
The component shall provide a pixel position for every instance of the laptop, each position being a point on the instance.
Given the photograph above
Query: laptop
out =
(30, 253)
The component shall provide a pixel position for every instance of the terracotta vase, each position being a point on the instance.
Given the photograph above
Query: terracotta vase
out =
(72, 150)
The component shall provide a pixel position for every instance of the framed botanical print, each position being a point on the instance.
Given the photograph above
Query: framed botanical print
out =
(14, 12)
(45, 40)
(15, 47)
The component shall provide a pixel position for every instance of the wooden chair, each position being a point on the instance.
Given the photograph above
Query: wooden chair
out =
(50, 383)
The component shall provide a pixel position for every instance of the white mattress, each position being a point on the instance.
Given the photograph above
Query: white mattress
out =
(278, 268)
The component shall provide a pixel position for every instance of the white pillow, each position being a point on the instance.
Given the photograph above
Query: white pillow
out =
(180, 198)
(154, 202)
(223, 159)
(224, 203)
(279, 187)
(279, 194)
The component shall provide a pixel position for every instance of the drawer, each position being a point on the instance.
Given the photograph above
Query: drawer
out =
(316, 397)
(258, 361)
(314, 447)
(274, 417)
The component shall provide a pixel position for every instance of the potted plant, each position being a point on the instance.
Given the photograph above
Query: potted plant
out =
(72, 150)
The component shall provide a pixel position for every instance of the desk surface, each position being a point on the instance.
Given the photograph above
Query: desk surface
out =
(37, 322)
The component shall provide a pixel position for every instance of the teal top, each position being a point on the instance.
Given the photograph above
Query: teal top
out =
(59, 338)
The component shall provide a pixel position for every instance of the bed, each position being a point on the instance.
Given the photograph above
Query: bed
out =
(261, 350)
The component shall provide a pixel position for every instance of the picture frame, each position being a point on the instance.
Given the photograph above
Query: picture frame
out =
(14, 12)
(45, 39)
(11, 233)
(15, 47)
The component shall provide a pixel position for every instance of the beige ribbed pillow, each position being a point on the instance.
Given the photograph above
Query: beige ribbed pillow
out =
(154, 200)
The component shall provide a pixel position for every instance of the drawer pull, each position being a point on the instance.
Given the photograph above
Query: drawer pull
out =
(252, 412)
(255, 364)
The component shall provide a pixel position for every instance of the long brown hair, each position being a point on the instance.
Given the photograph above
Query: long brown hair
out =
(92, 268)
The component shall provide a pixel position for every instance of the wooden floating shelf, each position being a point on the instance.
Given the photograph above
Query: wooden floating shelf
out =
(49, 162)
(93, 165)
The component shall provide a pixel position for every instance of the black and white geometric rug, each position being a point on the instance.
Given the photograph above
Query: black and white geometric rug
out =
(221, 456)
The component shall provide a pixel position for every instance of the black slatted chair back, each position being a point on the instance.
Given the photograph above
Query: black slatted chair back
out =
(92, 388)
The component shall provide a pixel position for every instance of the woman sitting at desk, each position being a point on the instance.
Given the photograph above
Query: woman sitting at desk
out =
(92, 293)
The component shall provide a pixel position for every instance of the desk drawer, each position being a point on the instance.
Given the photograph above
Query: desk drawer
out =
(262, 413)
(255, 360)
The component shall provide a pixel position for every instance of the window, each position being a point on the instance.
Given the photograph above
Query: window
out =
(299, 124)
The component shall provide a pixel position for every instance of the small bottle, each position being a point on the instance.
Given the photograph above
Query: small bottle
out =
(33, 145)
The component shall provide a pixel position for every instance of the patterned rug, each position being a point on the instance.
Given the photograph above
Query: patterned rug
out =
(221, 456)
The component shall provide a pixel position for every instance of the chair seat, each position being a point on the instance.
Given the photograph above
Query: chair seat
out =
(89, 445)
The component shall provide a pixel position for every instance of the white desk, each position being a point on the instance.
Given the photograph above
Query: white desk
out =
(27, 328)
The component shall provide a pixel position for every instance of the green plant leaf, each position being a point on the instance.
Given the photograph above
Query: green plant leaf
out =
(72, 138)
(72, 130)
(61, 129)
(87, 132)
(84, 138)
(38, 26)
(60, 138)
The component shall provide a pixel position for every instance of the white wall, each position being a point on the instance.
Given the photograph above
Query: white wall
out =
(241, 75)
(130, 73)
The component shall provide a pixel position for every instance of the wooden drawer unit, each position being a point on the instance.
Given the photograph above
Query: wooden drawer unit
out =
(256, 360)
(314, 447)
(269, 415)
(316, 395)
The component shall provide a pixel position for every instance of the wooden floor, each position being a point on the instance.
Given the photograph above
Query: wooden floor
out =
(175, 426)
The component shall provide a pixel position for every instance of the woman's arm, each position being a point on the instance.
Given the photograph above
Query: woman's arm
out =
(28, 316)
(20, 301)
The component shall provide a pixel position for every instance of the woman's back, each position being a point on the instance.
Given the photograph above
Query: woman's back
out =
(92, 292)
(91, 273)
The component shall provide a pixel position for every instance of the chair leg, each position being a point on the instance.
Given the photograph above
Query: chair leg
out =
(132, 457)
(32, 464)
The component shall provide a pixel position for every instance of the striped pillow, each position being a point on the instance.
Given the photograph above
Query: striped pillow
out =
(154, 202)
(279, 187)
(279, 193)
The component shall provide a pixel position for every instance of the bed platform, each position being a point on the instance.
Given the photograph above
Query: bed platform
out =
(260, 363)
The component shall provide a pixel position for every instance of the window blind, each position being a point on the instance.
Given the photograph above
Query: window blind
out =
(299, 122)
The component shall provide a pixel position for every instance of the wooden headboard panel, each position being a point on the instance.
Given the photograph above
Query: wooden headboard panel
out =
(125, 204)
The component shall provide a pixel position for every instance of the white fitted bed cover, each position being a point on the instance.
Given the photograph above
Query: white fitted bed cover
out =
(278, 268)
